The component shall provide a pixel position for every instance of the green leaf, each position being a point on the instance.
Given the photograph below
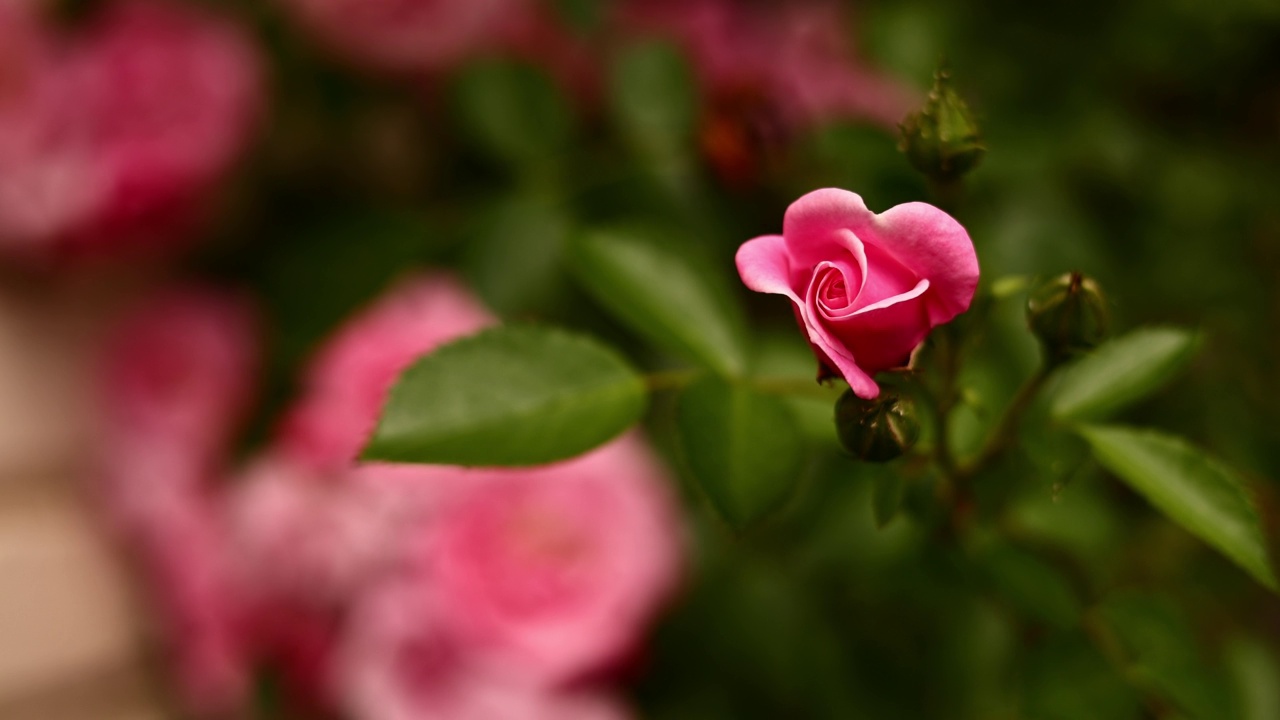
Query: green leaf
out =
(1064, 678)
(1122, 371)
(1160, 655)
(888, 489)
(1252, 669)
(513, 110)
(744, 448)
(1196, 491)
(660, 285)
(512, 395)
(1032, 585)
(654, 102)
(515, 259)
(654, 98)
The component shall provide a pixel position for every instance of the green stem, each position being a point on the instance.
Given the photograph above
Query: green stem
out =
(669, 379)
(1005, 433)
(792, 386)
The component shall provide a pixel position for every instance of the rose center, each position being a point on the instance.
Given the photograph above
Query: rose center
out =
(833, 290)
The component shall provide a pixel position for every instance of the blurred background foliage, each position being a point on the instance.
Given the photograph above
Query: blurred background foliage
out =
(1138, 142)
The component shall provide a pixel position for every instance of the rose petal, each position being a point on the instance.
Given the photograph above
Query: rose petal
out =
(823, 219)
(765, 266)
(825, 344)
(885, 278)
(915, 292)
(883, 337)
(933, 245)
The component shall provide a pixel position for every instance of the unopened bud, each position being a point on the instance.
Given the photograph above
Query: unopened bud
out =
(1069, 316)
(942, 139)
(876, 430)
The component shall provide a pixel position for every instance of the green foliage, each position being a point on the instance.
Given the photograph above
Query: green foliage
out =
(515, 260)
(655, 105)
(514, 111)
(1122, 371)
(1066, 678)
(654, 99)
(889, 489)
(743, 447)
(508, 396)
(662, 285)
(1158, 652)
(1252, 669)
(1032, 585)
(1196, 491)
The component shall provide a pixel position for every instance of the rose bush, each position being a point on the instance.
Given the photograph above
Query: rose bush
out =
(347, 381)
(867, 288)
(115, 133)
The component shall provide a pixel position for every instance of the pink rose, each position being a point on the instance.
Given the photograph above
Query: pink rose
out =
(797, 57)
(348, 380)
(303, 538)
(181, 368)
(46, 183)
(112, 134)
(407, 35)
(167, 96)
(182, 560)
(867, 288)
(177, 379)
(401, 660)
(178, 375)
(553, 573)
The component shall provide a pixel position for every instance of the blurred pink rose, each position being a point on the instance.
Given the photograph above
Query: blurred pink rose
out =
(124, 126)
(867, 288)
(178, 377)
(46, 182)
(348, 380)
(553, 573)
(402, 661)
(182, 367)
(169, 96)
(797, 55)
(408, 35)
(769, 70)
(182, 560)
(300, 537)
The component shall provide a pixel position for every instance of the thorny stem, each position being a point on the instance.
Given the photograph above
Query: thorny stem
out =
(1005, 433)
(955, 489)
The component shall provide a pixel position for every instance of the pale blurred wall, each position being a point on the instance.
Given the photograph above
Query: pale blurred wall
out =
(72, 646)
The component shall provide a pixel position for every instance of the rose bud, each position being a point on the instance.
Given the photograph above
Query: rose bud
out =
(866, 288)
(877, 430)
(941, 139)
(1069, 316)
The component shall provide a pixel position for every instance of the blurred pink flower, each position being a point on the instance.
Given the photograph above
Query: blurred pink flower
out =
(126, 126)
(798, 55)
(426, 37)
(178, 377)
(402, 661)
(553, 573)
(769, 70)
(183, 563)
(311, 539)
(408, 35)
(46, 182)
(170, 95)
(182, 366)
(348, 380)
